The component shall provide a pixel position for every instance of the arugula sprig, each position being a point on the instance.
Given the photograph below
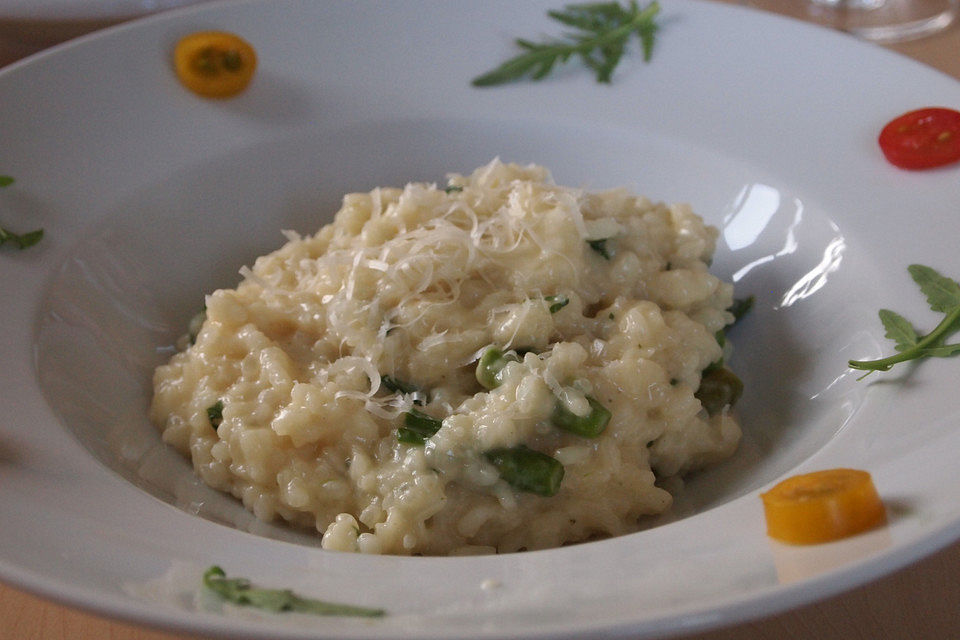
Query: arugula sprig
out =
(603, 33)
(239, 591)
(22, 240)
(943, 296)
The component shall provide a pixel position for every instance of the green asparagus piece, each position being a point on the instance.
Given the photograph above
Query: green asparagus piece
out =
(527, 470)
(491, 365)
(719, 388)
(417, 427)
(590, 425)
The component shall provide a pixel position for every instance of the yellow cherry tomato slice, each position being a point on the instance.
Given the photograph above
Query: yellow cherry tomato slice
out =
(822, 506)
(214, 64)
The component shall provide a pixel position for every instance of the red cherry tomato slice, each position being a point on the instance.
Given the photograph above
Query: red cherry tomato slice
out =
(922, 139)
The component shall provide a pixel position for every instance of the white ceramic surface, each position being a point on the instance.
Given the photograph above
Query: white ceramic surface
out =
(151, 196)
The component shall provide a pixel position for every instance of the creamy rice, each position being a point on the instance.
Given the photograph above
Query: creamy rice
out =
(319, 354)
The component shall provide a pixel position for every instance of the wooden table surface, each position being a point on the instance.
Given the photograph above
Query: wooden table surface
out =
(921, 602)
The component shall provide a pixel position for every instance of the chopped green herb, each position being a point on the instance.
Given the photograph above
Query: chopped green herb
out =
(589, 426)
(557, 302)
(453, 189)
(239, 591)
(215, 414)
(527, 470)
(417, 427)
(600, 246)
(604, 30)
(943, 296)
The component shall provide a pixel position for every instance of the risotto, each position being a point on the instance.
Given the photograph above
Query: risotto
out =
(496, 365)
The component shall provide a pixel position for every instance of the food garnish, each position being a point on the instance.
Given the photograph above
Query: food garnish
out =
(922, 139)
(22, 240)
(214, 64)
(241, 592)
(604, 31)
(943, 295)
(822, 506)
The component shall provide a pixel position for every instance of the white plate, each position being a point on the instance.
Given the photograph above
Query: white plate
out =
(151, 196)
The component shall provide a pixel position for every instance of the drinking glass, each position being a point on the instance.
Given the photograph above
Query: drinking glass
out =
(883, 21)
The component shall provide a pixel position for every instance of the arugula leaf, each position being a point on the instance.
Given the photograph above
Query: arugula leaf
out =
(943, 295)
(241, 592)
(22, 240)
(898, 329)
(603, 31)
